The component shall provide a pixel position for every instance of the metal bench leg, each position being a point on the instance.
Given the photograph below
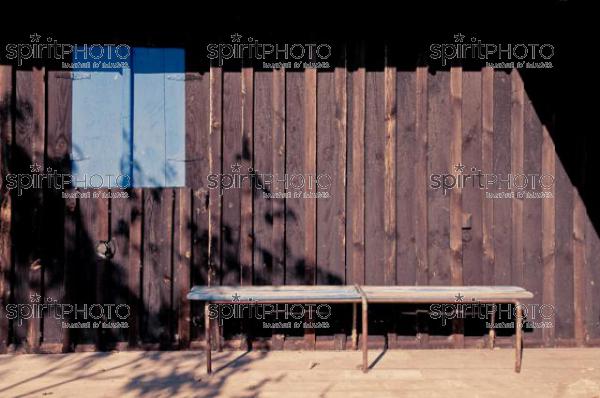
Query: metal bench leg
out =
(207, 342)
(519, 338)
(365, 335)
(492, 333)
(354, 326)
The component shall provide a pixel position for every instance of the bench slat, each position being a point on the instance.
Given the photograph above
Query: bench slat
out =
(399, 294)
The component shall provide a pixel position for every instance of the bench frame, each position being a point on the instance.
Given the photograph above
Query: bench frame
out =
(364, 301)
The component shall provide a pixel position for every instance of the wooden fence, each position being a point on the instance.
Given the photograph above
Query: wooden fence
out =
(379, 131)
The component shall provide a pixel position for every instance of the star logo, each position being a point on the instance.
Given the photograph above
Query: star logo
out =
(35, 38)
(236, 167)
(35, 168)
(236, 298)
(459, 297)
(459, 167)
(236, 37)
(459, 37)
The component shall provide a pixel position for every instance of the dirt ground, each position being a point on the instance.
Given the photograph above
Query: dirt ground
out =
(572, 372)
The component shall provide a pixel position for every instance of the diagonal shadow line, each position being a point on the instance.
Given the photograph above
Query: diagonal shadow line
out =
(232, 362)
(379, 357)
(63, 382)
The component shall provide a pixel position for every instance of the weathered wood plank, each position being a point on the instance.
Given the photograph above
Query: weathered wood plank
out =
(157, 268)
(579, 265)
(58, 158)
(374, 164)
(406, 147)
(135, 258)
(6, 140)
(502, 166)
(564, 272)
(279, 151)
(439, 118)
(182, 244)
(216, 167)
(247, 162)
(310, 203)
(331, 161)
(193, 228)
(487, 164)
(389, 202)
(456, 195)
(517, 153)
(233, 157)
(264, 214)
(549, 233)
(28, 206)
(475, 270)
(355, 251)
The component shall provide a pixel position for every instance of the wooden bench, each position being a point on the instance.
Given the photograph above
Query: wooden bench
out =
(363, 295)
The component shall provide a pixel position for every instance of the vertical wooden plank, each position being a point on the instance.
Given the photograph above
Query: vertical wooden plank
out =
(215, 161)
(533, 267)
(331, 161)
(579, 266)
(502, 167)
(475, 271)
(279, 154)
(247, 162)
(6, 139)
(355, 251)
(487, 164)
(456, 158)
(157, 266)
(564, 271)
(439, 117)
(592, 238)
(264, 216)
(182, 237)
(310, 202)
(117, 275)
(548, 233)
(592, 277)
(135, 259)
(581, 290)
(421, 196)
(517, 147)
(198, 158)
(295, 223)
(374, 164)
(406, 261)
(58, 158)
(27, 208)
(456, 195)
(92, 230)
(233, 153)
(389, 205)
(247, 189)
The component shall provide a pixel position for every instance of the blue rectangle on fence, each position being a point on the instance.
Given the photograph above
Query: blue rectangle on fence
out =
(130, 122)
(101, 109)
(159, 117)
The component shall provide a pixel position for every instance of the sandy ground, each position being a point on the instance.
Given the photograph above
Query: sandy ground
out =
(399, 373)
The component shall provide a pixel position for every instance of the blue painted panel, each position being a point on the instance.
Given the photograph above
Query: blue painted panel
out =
(101, 110)
(158, 117)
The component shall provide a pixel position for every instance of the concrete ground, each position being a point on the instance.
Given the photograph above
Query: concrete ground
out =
(571, 372)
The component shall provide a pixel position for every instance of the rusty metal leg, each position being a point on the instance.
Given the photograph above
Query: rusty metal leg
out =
(492, 334)
(220, 333)
(207, 342)
(365, 335)
(519, 338)
(354, 326)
